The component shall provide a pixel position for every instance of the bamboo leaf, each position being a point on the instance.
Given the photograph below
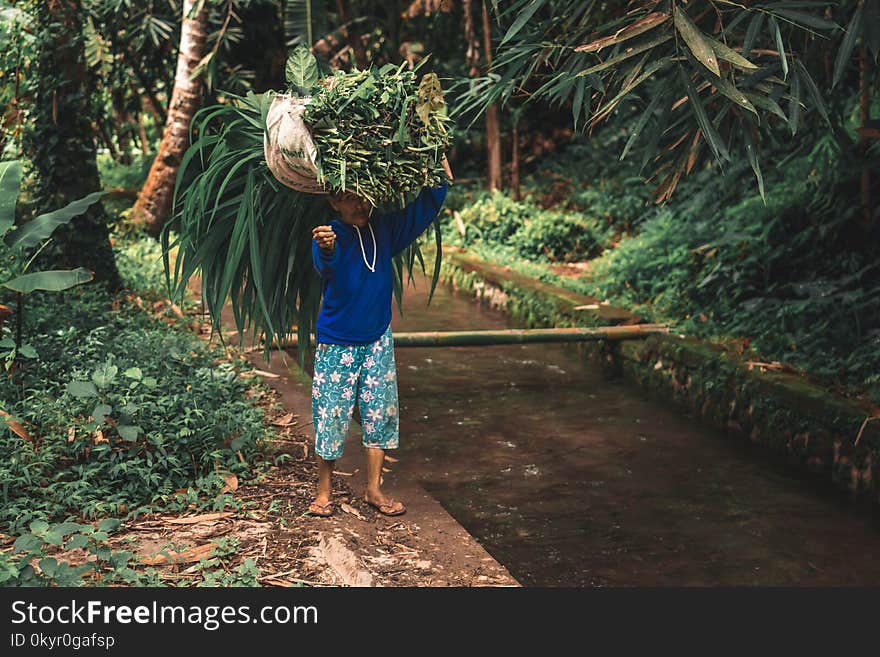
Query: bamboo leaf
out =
(847, 45)
(695, 41)
(641, 26)
(652, 68)
(577, 103)
(711, 134)
(767, 103)
(752, 33)
(752, 154)
(633, 70)
(522, 18)
(803, 18)
(780, 46)
(729, 90)
(794, 103)
(438, 257)
(654, 133)
(640, 124)
(635, 50)
(813, 90)
(732, 56)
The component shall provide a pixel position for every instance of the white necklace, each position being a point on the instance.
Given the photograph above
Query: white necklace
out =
(363, 252)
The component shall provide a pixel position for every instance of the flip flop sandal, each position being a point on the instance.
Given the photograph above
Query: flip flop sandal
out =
(322, 510)
(385, 509)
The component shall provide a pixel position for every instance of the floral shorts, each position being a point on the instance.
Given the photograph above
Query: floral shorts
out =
(345, 372)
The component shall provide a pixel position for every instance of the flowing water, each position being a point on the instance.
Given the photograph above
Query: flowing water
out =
(569, 478)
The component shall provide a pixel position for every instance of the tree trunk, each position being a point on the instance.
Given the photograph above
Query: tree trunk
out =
(150, 101)
(123, 136)
(493, 124)
(154, 202)
(142, 134)
(59, 140)
(514, 163)
(865, 117)
(352, 36)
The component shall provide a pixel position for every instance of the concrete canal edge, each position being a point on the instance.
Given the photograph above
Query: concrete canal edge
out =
(811, 428)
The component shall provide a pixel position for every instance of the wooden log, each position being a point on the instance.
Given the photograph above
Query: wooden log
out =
(512, 336)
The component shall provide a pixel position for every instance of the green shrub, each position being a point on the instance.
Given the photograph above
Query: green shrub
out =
(139, 260)
(534, 233)
(720, 262)
(783, 273)
(183, 408)
(117, 174)
(559, 236)
(616, 205)
(494, 217)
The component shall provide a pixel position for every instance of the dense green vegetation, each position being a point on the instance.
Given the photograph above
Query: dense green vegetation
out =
(101, 362)
(716, 261)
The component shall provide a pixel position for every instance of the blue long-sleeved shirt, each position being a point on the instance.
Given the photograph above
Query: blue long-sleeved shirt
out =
(356, 302)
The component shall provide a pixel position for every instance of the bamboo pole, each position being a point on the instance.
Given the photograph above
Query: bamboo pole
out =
(512, 336)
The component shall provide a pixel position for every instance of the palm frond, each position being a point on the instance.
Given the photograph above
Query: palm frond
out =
(305, 21)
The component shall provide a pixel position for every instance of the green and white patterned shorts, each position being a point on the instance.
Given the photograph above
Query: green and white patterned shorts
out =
(345, 372)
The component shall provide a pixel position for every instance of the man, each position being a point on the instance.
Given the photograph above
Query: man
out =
(354, 358)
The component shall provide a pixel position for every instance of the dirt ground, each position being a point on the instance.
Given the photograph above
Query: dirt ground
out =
(355, 547)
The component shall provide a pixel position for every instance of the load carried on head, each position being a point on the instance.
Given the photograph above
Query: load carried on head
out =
(251, 186)
(376, 132)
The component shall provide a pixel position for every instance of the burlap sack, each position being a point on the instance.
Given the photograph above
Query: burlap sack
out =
(291, 154)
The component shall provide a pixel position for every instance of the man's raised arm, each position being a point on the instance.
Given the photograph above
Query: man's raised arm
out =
(409, 223)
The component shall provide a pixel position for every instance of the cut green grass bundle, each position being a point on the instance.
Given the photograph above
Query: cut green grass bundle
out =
(379, 133)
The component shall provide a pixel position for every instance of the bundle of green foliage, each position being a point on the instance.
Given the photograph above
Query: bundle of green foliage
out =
(378, 133)
(251, 236)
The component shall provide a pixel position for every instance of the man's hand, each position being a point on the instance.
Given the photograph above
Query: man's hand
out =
(325, 237)
(447, 169)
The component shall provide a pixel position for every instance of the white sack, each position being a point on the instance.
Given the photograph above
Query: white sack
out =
(291, 154)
